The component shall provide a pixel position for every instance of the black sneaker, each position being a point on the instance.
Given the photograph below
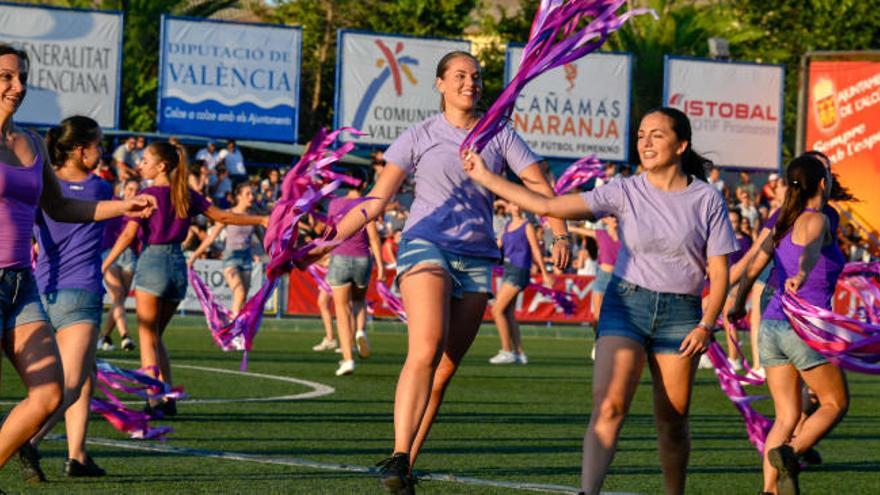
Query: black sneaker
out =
(75, 469)
(127, 344)
(29, 462)
(786, 463)
(396, 476)
(168, 407)
(810, 457)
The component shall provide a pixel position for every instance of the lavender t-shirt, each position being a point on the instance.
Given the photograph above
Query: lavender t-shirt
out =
(164, 226)
(666, 236)
(356, 245)
(70, 253)
(449, 209)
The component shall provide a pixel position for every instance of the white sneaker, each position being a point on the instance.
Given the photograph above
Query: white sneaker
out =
(503, 357)
(346, 367)
(593, 353)
(760, 373)
(521, 358)
(735, 364)
(705, 362)
(363, 345)
(326, 345)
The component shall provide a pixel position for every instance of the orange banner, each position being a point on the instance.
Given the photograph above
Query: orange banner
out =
(843, 121)
(530, 305)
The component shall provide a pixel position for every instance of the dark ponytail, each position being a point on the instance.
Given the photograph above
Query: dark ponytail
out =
(692, 163)
(68, 135)
(802, 177)
(838, 191)
(174, 158)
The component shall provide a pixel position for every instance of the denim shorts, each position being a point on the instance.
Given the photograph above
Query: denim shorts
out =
(125, 261)
(240, 259)
(658, 320)
(778, 344)
(343, 270)
(66, 307)
(515, 276)
(468, 273)
(19, 299)
(600, 283)
(161, 271)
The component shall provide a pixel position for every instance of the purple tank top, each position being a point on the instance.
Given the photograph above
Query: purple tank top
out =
(820, 284)
(20, 189)
(833, 223)
(356, 245)
(516, 247)
(608, 247)
(745, 243)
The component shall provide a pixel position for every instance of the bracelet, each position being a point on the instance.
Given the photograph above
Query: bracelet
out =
(560, 237)
(704, 326)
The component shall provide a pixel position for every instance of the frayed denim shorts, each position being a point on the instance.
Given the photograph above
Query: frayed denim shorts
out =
(468, 273)
(161, 271)
(66, 307)
(516, 276)
(659, 321)
(19, 299)
(343, 270)
(126, 261)
(600, 283)
(778, 344)
(240, 259)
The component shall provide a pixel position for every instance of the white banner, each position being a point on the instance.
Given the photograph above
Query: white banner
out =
(211, 271)
(75, 62)
(229, 80)
(735, 109)
(385, 83)
(580, 108)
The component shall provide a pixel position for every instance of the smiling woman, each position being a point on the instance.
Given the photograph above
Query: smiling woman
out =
(672, 226)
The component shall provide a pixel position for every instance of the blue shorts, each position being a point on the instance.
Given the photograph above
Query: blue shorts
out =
(600, 283)
(343, 270)
(161, 271)
(468, 273)
(126, 261)
(516, 276)
(778, 344)
(240, 259)
(19, 299)
(67, 307)
(659, 321)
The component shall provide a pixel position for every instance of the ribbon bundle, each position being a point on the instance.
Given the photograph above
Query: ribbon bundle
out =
(554, 40)
(307, 183)
(562, 299)
(578, 174)
(135, 423)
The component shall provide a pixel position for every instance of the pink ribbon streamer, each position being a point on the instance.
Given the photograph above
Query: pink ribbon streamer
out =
(578, 174)
(319, 275)
(390, 300)
(563, 300)
(308, 182)
(111, 378)
(554, 41)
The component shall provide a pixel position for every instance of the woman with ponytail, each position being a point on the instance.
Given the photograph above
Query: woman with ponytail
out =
(808, 262)
(69, 279)
(160, 278)
(26, 183)
(672, 226)
(237, 255)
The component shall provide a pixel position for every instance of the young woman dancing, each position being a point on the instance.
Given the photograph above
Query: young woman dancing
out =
(69, 278)
(238, 257)
(348, 274)
(447, 250)
(118, 277)
(26, 182)
(808, 262)
(519, 245)
(673, 225)
(160, 278)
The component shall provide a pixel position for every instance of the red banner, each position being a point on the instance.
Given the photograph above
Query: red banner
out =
(843, 121)
(531, 306)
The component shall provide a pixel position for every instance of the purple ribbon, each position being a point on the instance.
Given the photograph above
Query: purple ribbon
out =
(308, 182)
(390, 300)
(578, 174)
(554, 41)
(111, 378)
(563, 300)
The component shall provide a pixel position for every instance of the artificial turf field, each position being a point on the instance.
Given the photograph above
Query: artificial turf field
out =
(510, 424)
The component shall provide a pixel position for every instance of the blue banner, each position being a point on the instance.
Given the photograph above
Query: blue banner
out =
(229, 80)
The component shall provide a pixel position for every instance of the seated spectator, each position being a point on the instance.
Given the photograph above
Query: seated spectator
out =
(234, 161)
(717, 182)
(768, 192)
(222, 188)
(747, 206)
(124, 160)
(745, 183)
(209, 155)
(198, 177)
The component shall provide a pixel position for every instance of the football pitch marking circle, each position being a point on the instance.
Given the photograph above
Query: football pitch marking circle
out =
(317, 389)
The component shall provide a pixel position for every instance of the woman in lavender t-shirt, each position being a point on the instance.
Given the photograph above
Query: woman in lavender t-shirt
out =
(160, 278)
(672, 226)
(447, 250)
(26, 183)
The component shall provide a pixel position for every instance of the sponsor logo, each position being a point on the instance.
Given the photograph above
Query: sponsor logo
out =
(715, 109)
(825, 104)
(393, 65)
(571, 74)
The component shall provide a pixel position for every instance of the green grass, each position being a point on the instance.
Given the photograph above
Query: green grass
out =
(521, 423)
